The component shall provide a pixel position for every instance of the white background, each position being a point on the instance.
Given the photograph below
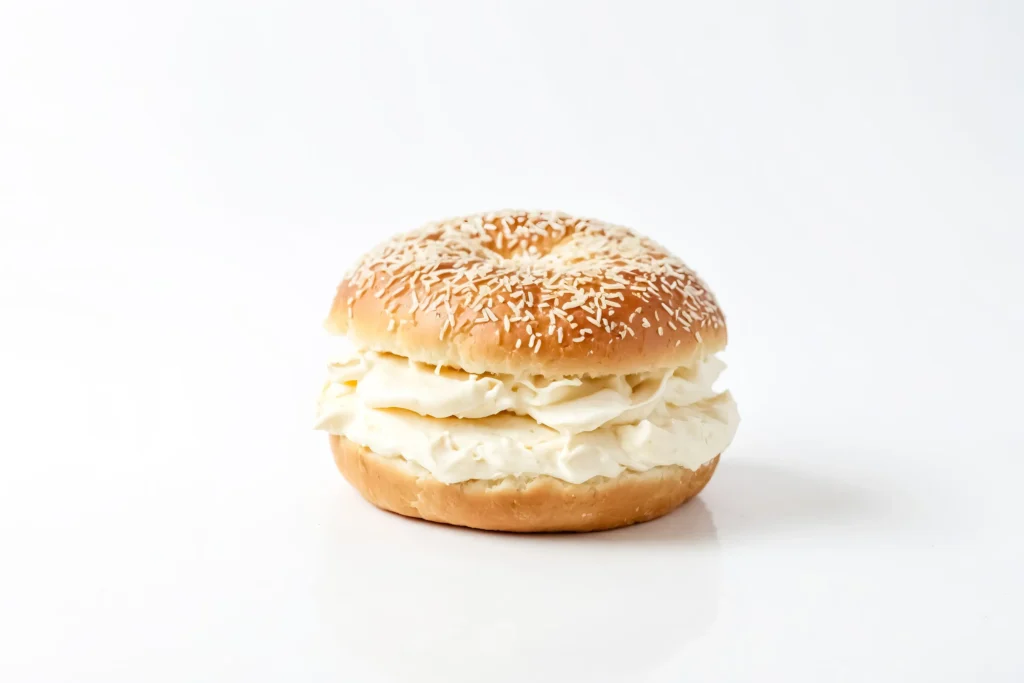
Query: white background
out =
(182, 184)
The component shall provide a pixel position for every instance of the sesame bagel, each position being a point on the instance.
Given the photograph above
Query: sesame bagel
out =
(529, 293)
(526, 371)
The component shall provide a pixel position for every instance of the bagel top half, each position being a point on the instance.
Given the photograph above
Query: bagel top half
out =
(529, 293)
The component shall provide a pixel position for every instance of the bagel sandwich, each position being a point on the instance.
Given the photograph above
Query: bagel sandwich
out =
(525, 371)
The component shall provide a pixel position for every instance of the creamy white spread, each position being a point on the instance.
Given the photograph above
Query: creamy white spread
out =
(460, 426)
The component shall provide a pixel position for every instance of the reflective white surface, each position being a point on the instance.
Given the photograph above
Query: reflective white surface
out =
(180, 190)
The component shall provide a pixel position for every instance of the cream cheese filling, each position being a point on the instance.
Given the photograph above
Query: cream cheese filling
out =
(461, 426)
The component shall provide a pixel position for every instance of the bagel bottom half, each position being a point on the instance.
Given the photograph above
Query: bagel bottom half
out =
(525, 504)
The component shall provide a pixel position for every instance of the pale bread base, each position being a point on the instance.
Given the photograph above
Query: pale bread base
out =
(540, 503)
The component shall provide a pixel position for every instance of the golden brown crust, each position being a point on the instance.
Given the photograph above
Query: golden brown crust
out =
(529, 293)
(526, 505)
